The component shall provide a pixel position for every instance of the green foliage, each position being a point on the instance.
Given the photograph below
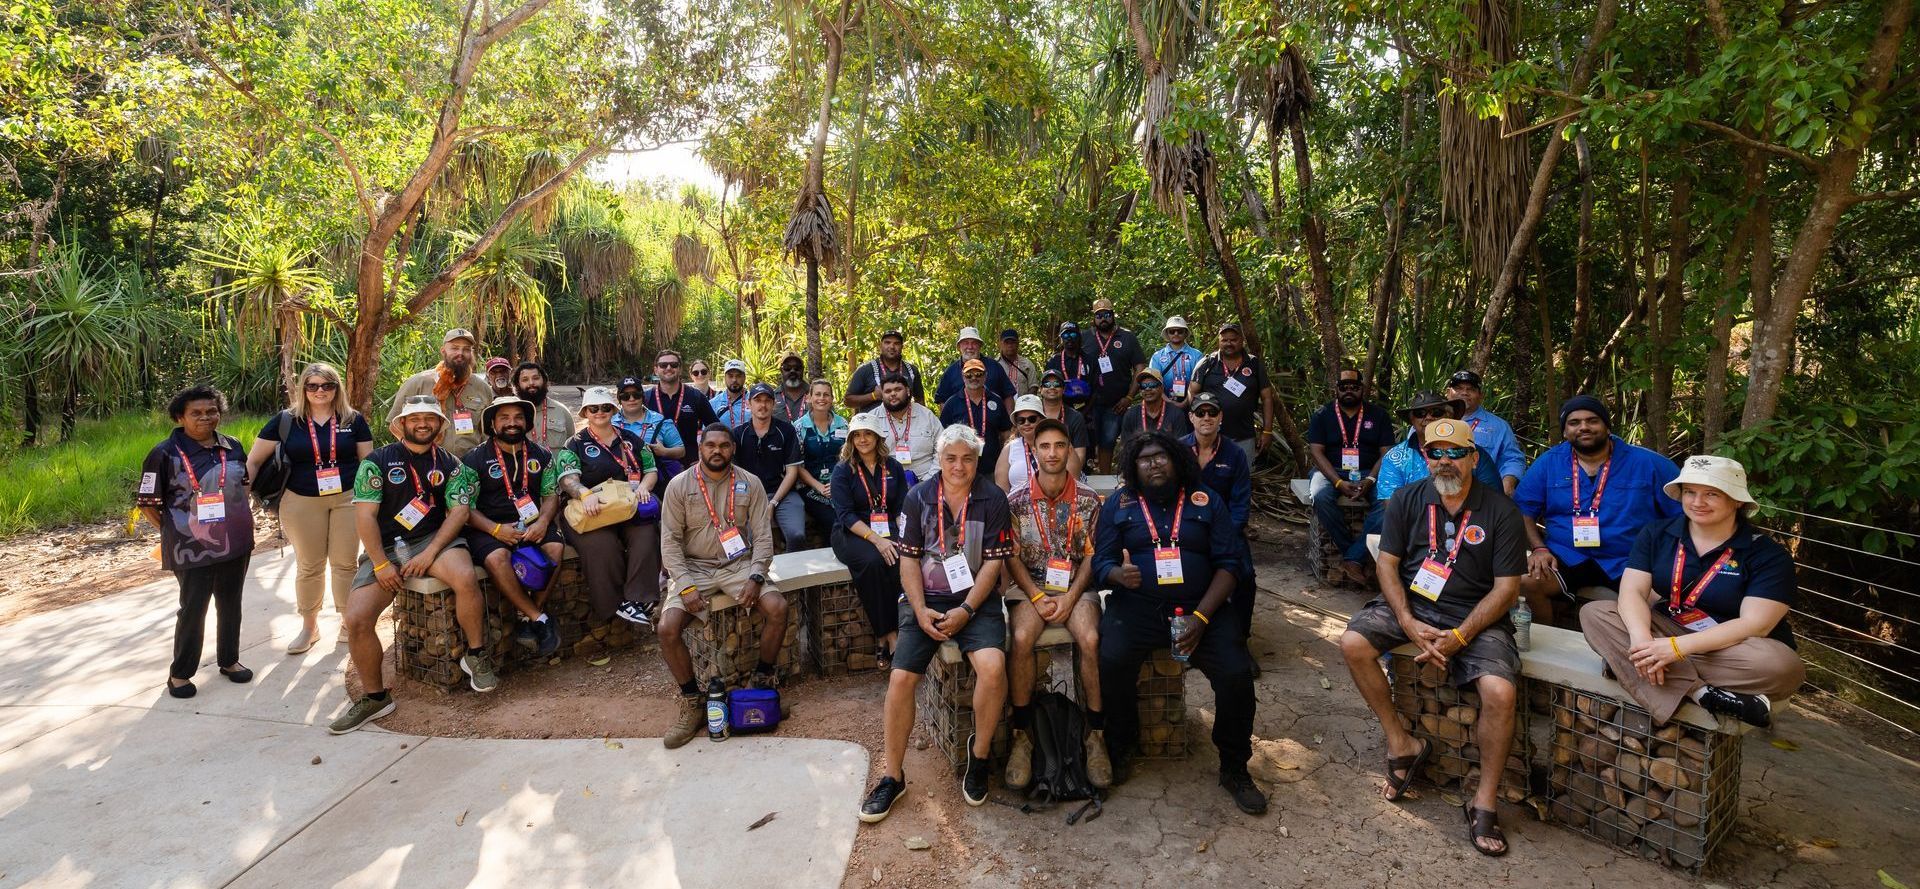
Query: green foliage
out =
(1837, 459)
(91, 476)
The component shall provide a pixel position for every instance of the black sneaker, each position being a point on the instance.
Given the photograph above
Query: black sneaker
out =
(526, 635)
(1750, 709)
(1245, 793)
(880, 802)
(973, 785)
(548, 636)
(633, 612)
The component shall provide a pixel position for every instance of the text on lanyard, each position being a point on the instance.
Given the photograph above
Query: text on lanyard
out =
(877, 509)
(326, 475)
(1349, 444)
(1433, 574)
(959, 573)
(416, 509)
(1166, 556)
(1106, 363)
(1586, 523)
(522, 499)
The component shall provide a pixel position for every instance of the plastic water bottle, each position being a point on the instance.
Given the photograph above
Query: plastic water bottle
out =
(716, 710)
(1178, 626)
(1522, 625)
(401, 551)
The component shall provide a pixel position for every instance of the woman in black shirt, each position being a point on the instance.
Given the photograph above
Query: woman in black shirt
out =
(325, 439)
(1703, 605)
(869, 492)
(621, 562)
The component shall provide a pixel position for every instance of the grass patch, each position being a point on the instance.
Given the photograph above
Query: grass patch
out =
(91, 476)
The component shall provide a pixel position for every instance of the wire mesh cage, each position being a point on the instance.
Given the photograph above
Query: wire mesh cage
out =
(1449, 717)
(842, 640)
(727, 643)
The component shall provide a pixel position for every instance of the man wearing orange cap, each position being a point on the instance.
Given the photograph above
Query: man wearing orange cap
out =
(974, 406)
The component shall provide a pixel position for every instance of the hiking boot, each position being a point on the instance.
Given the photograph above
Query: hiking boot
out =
(1245, 793)
(480, 671)
(363, 711)
(548, 636)
(1751, 709)
(1020, 760)
(880, 802)
(690, 721)
(634, 612)
(527, 635)
(1099, 769)
(973, 785)
(764, 681)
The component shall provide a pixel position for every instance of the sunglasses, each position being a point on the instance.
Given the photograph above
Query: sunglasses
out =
(1448, 453)
(1206, 413)
(1025, 420)
(665, 364)
(1430, 413)
(1347, 384)
(974, 375)
(1056, 384)
(630, 396)
(322, 387)
(1103, 314)
(1148, 384)
(598, 409)
(699, 371)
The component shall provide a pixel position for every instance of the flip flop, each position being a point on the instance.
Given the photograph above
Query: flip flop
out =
(1484, 824)
(1409, 764)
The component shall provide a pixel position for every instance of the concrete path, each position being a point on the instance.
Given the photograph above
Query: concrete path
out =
(105, 780)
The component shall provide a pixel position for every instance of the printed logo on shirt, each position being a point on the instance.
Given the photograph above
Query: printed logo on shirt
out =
(1475, 534)
(593, 451)
(740, 487)
(149, 482)
(493, 470)
(435, 477)
(397, 474)
(1246, 371)
(1367, 424)
(533, 466)
(1200, 498)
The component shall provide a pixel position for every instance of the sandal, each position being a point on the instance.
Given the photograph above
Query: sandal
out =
(883, 658)
(1484, 824)
(1408, 764)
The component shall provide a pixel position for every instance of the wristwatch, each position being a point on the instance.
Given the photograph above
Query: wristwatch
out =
(757, 577)
(968, 609)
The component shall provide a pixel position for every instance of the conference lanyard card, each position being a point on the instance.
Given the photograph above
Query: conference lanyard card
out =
(1179, 388)
(327, 481)
(1696, 620)
(1106, 365)
(463, 422)
(528, 509)
(878, 522)
(1059, 574)
(1349, 459)
(731, 544)
(413, 513)
(1236, 387)
(1586, 531)
(959, 574)
(903, 452)
(210, 508)
(1166, 565)
(1431, 579)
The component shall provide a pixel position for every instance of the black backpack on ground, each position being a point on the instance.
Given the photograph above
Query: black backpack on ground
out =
(1059, 733)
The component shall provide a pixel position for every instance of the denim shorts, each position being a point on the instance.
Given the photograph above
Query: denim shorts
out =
(914, 649)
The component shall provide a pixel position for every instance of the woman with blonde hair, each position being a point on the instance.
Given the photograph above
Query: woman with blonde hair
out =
(324, 440)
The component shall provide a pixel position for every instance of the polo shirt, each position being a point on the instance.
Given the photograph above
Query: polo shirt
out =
(1494, 436)
(1633, 499)
(651, 427)
(1403, 464)
(729, 407)
(1237, 412)
(185, 541)
(820, 448)
(392, 476)
(1122, 351)
(1229, 473)
(535, 472)
(1076, 424)
(991, 417)
(988, 534)
(310, 446)
(1022, 372)
(1172, 420)
(1760, 568)
(791, 408)
(599, 462)
(768, 455)
(953, 380)
(688, 410)
(1493, 543)
(866, 379)
(1175, 367)
(1371, 432)
(1206, 537)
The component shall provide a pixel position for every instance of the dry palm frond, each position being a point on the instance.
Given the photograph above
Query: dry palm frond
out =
(539, 167)
(1289, 90)
(669, 310)
(1484, 178)
(631, 320)
(597, 257)
(811, 234)
(692, 257)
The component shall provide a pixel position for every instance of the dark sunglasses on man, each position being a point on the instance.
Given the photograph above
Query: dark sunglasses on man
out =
(1448, 453)
(666, 364)
(1148, 384)
(1204, 412)
(1347, 384)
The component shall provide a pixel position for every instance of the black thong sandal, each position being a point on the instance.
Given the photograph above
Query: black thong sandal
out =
(1484, 824)
(1408, 764)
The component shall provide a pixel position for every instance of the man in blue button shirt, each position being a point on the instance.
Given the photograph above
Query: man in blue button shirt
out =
(1491, 433)
(1593, 492)
(1176, 360)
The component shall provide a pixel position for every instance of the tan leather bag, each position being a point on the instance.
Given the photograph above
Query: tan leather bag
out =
(618, 503)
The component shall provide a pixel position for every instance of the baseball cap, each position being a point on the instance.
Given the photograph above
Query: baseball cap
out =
(733, 365)
(758, 390)
(1453, 432)
(1028, 403)
(893, 333)
(968, 333)
(1230, 325)
(630, 383)
(1103, 305)
(1726, 476)
(498, 362)
(460, 333)
(1068, 327)
(1205, 399)
(1053, 372)
(790, 355)
(1009, 334)
(1174, 323)
(974, 364)
(1150, 372)
(1464, 378)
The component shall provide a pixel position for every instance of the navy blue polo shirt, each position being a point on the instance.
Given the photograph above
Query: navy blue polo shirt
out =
(991, 417)
(1760, 568)
(1207, 539)
(1371, 433)
(303, 442)
(768, 456)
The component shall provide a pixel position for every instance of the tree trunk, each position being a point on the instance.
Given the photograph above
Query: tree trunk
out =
(1386, 290)
(1671, 302)
(1580, 345)
(29, 407)
(1713, 408)
(813, 318)
(70, 406)
(1603, 20)
(1332, 352)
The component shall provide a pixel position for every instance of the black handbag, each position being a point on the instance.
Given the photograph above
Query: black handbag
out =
(271, 481)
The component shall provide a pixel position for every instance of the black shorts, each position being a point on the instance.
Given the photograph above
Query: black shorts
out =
(914, 649)
(1491, 653)
(481, 544)
(1587, 573)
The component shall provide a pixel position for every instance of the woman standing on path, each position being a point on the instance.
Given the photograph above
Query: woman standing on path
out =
(324, 440)
(193, 487)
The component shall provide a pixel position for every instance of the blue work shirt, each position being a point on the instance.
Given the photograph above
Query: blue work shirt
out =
(1495, 438)
(1176, 365)
(1633, 499)
(952, 381)
(1206, 539)
(731, 410)
(1403, 464)
(652, 427)
(1228, 473)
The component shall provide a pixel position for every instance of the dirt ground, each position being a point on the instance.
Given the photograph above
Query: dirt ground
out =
(80, 563)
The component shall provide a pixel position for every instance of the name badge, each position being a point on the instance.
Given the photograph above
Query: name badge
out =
(528, 509)
(1179, 388)
(463, 422)
(327, 481)
(1166, 565)
(1106, 365)
(413, 513)
(1586, 531)
(731, 543)
(633, 481)
(1059, 574)
(210, 508)
(902, 452)
(1236, 387)
(1431, 579)
(1694, 619)
(1349, 459)
(878, 522)
(959, 574)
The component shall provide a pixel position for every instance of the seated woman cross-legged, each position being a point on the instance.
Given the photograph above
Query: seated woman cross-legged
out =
(869, 494)
(1703, 606)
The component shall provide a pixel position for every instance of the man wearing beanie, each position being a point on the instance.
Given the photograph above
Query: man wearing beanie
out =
(1593, 493)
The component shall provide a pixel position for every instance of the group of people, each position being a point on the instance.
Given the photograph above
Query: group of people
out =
(977, 523)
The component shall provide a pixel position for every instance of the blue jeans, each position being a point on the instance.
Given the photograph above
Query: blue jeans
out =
(1103, 425)
(1333, 517)
(791, 518)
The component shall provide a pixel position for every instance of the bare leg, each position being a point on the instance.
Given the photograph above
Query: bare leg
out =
(1027, 627)
(364, 605)
(989, 696)
(1363, 661)
(673, 648)
(1495, 736)
(774, 606)
(899, 721)
(500, 567)
(1540, 593)
(1084, 624)
(455, 569)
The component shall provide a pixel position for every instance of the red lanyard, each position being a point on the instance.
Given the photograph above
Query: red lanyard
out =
(622, 455)
(734, 407)
(1473, 423)
(1699, 586)
(542, 434)
(1340, 416)
(966, 404)
(901, 436)
(701, 478)
(1230, 370)
(419, 490)
(1080, 363)
(861, 474)
(960, 534)
(333, 443)
(1154, 532)
(506, 474)
(788, 409)
(193, 478)
(660, 400)
(1433, 533)
(1104, 344)
(1158, 422)
(1044, 507)
(1206, 457)
(1599, 487)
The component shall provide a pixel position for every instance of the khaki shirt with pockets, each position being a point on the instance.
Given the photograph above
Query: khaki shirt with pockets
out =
(690, 548)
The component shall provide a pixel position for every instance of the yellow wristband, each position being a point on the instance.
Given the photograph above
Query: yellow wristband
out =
(1202, 616)
(382, 567)
(1036, 597)
(1456, 634)
(1677, 653)
(496, 530)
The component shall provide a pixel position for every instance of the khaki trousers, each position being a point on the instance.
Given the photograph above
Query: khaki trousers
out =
(1756, 666)
(324, 542)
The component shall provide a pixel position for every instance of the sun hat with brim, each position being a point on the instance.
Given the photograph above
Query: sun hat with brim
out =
(1029, 403)
(968, 333)
(498, 402)
(1453, 432)
(1424, 400)
(1174, 323)
(416, 404)
(597, 395)
(865, 422)
(1724, 475)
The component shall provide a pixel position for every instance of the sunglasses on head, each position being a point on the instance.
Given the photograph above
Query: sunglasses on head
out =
(322, 387)
(1448, 453)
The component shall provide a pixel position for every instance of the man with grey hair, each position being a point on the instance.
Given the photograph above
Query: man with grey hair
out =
(956, 533)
